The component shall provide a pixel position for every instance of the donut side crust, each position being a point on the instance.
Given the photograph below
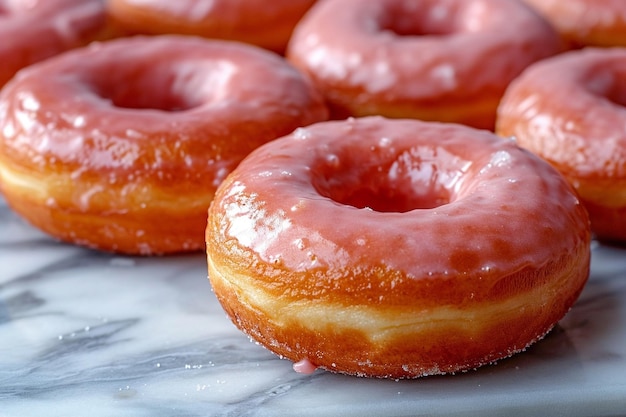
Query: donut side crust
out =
(110, 219)
(399, 342)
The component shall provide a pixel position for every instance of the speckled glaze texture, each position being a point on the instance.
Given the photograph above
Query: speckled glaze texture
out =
(570, 111)
(586, 22)
(121, 145)
(361, 234)
(445, 60)
(263, 23)
(33, 30)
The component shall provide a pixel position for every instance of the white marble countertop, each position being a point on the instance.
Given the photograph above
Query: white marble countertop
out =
(86, 333)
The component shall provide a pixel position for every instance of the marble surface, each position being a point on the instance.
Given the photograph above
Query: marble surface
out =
(86, 333)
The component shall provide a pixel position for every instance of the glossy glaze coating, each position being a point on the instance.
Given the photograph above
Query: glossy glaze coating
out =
(396, 248)
(444, 60)
(263, 23)
(121, 145)
(570, 111)
(33, 30)
(586, 22)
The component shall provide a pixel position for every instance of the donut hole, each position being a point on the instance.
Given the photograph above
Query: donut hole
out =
(405, 18)
(403, 184)
(132, 97)
(168, 87)
(386, 198)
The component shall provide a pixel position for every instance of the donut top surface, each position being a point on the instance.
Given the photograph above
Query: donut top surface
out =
(365, 201)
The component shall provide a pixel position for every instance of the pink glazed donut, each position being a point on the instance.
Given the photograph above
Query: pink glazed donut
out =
(442, 60)
(569, 110)
(396, 248)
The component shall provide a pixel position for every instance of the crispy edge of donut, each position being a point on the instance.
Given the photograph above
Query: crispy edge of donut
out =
(442, 341)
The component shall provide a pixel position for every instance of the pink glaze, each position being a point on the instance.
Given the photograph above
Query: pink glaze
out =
(304, 366)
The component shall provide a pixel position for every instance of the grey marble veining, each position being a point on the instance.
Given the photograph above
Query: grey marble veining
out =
(84, 333)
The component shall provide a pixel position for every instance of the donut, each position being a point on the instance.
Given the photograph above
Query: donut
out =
(120, 146)
(586, 22)
(395, 248)
(267, 24)
(570, 111)
(439, 60)
(36, 30)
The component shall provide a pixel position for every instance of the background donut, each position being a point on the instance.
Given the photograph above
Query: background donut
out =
(121, 145)
(443, 60)
(570, 110)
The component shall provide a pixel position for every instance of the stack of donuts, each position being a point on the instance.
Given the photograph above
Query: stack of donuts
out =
(394, 188)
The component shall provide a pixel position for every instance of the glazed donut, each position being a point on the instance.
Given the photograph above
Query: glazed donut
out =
(395, 248)
(570, 111)
(443, 60)
(263, 23)
(120, 146)
(34, 30)
(586, 22)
